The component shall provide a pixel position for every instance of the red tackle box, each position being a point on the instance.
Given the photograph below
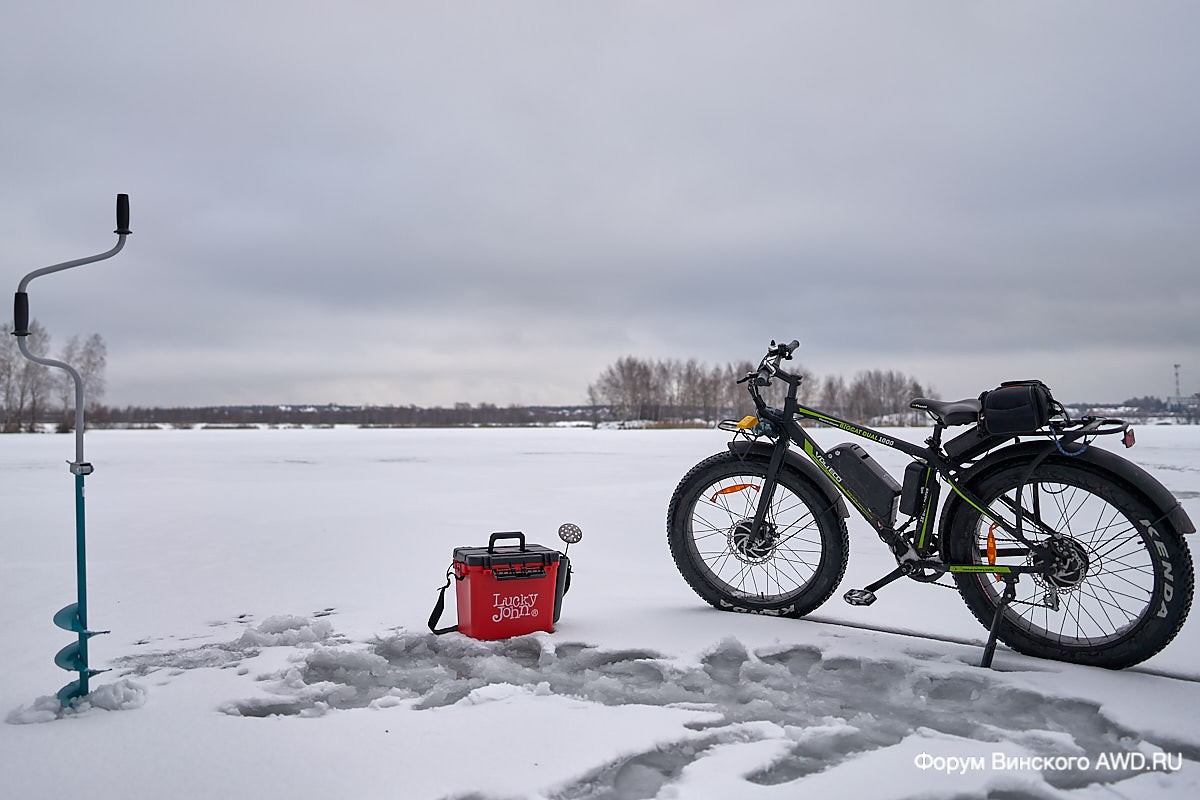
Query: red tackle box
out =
(509, 590)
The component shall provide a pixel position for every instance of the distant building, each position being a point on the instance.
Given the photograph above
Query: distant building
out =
(1184, 402)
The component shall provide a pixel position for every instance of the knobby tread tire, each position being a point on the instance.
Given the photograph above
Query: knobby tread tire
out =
(1166, 555)
(830, 530)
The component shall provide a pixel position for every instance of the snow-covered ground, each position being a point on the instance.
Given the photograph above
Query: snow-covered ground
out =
(267, 593)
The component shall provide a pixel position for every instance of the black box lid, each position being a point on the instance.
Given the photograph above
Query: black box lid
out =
(506, 556)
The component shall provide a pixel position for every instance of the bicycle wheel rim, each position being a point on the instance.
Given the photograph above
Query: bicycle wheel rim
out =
(1105, 597)
(778, 566)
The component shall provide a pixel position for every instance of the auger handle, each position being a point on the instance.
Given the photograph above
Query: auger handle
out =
(21, 314)
(123, 215)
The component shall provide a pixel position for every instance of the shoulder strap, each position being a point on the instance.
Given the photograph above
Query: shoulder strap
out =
(440, 606)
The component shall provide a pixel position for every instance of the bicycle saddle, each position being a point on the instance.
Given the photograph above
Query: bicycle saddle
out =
(949, 412)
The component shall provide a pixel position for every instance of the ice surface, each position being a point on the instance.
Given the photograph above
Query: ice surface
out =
(820, 709)
(268, 593)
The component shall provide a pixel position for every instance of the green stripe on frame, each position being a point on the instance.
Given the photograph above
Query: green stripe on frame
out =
(979, 568)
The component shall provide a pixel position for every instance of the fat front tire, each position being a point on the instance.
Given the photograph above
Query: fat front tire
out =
(790, 568)
(1122, 588)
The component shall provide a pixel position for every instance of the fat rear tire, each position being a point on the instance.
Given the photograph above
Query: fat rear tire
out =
(1134, 587)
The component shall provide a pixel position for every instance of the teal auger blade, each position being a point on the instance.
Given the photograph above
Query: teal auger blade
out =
(74, 689)
(69, 692)
(68, 618)
(71, 658)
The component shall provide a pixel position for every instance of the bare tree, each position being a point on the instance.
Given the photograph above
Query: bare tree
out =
(93, 360)
(626, 387)
(834, 395)
(673, 390)
(810, 387)
(65, 386)
(36, 382)
(667, 391)
(696, 394)
(27, 389)
(10, 378)
(89, 359)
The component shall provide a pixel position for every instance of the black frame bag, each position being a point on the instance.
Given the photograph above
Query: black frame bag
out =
(1015, 407)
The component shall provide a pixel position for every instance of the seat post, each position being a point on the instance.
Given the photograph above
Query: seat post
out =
(935, 438)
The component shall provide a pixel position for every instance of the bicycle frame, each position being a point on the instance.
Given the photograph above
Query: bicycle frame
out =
(1029, 498)
(789, 431)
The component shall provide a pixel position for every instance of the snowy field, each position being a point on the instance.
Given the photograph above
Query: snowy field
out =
(267, 593)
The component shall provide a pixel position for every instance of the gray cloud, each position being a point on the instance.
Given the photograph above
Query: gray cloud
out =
(425, 202)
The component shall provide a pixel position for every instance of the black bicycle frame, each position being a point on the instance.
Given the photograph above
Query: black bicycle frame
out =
(789, 431)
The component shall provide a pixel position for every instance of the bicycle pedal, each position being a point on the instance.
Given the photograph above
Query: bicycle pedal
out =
(859, 597)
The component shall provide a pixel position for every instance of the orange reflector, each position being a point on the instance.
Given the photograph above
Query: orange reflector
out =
(737, 487)
(747, 422)
(991, 547)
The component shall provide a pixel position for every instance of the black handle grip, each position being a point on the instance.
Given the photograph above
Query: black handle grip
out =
(21, 314)
(507, 535)
(123, 215)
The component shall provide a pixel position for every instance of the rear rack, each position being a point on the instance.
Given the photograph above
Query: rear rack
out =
(1088, 427)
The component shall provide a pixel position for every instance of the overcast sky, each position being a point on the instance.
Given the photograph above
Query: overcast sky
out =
(394, 202)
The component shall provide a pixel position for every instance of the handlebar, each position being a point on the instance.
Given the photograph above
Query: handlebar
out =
(21, 326)
(21, 302)
(769, 366)
(783, 350)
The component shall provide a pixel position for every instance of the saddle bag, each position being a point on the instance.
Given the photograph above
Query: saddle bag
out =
(1015, 407)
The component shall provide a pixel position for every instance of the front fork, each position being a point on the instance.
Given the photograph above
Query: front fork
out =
(770, 481)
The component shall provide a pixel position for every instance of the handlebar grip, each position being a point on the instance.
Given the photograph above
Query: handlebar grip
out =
(21, 314)
(123, 215)
(792, 345)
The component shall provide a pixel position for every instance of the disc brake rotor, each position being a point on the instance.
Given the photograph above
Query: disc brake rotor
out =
(1072, 564)
(752, 549)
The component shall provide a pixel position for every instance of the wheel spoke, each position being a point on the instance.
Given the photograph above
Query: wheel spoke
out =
(769, 563)
(1103, 592)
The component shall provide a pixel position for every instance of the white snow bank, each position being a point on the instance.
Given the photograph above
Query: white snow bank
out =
(286, 631)
(121, 695)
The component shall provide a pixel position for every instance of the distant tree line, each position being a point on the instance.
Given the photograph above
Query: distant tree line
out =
(665, 392)
(871, 396)
(672, 391)
(1147, 403)
(458, 415)
(31, 393)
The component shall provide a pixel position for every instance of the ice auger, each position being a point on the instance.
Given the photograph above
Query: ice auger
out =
(73, 618)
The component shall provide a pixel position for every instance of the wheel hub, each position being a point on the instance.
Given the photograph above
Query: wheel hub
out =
(748, 548)
(1070, 566)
